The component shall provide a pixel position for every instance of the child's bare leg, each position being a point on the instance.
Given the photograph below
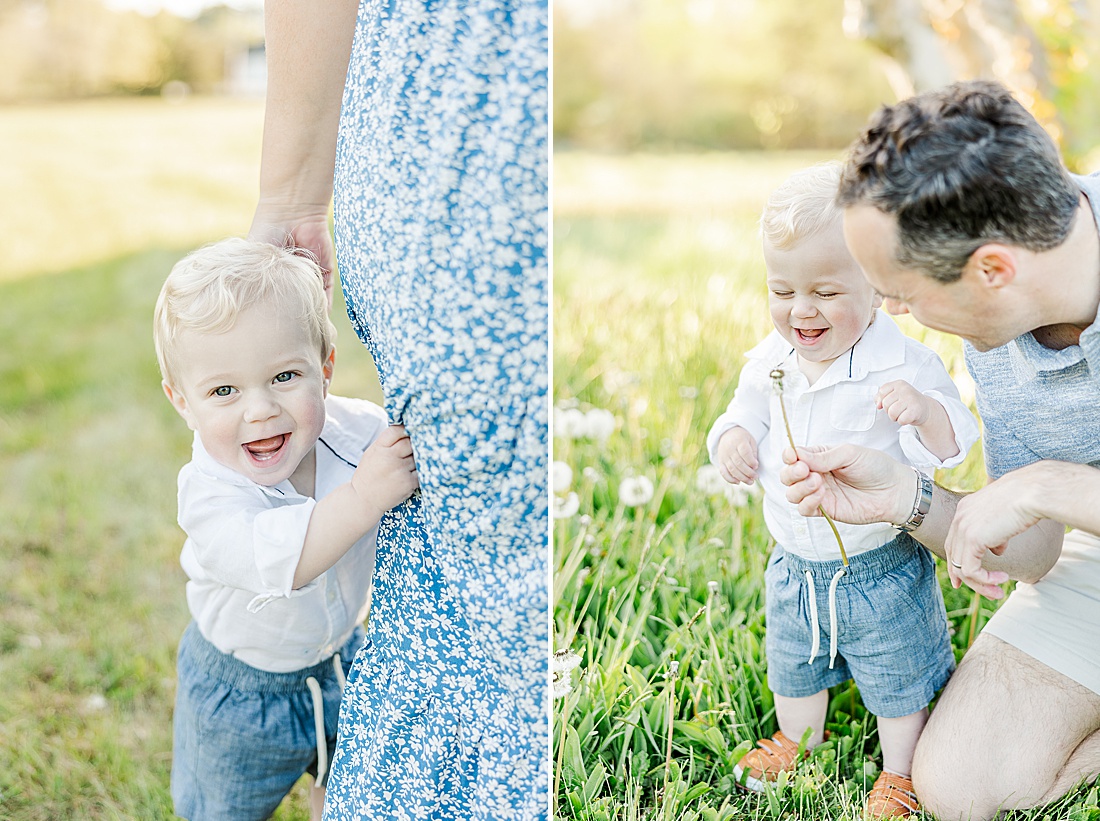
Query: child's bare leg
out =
(316, 803)
(796, 714)
(898, 737)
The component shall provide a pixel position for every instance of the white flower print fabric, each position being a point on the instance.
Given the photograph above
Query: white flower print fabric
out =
(441, 230)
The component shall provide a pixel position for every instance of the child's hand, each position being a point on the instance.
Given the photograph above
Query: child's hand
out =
(904, 404)
(737, 462)
(386, 475)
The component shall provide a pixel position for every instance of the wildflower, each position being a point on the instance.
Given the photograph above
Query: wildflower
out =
(565, 661)
(570, 423)
(712, 587)
(600, 424)
(709, 481)
(635, 491)
(561, 477)
(738, 495)
(688, 392)
(590, 474)
(567, 507)
(673, 669)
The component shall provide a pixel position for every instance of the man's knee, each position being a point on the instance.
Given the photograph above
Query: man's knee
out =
(948, 785)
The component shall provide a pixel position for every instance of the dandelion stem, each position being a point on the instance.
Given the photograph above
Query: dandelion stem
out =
(777, 378)
(564, 718)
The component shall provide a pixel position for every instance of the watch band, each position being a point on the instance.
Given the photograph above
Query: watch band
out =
(921, 504)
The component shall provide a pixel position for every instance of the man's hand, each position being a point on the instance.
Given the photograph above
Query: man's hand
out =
(851, 483)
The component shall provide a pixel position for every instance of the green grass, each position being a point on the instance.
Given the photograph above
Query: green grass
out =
(658, 291)
(92, 599)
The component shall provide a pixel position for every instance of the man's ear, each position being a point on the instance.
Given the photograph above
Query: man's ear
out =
(179, 402)
(994, 264)
(327, 368)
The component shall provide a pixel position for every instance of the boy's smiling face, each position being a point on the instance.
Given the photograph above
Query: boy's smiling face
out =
(818, 298)
(255, 394)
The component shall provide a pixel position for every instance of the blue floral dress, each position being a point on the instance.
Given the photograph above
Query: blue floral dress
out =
(441, 218)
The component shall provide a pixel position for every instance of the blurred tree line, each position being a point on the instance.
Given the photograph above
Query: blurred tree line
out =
(744, 74)
(61, 49)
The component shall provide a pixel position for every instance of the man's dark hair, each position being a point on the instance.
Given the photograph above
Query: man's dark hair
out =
(960, 167)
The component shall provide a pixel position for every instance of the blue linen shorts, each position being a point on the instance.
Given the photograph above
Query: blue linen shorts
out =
(242, 737)
(892, 635)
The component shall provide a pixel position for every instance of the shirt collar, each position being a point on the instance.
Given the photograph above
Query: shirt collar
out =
(881, 347)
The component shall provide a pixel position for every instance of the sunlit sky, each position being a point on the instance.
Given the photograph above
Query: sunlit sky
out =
(184, 8)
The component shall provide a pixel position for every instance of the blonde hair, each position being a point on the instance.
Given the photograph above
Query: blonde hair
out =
(208, 289)
(802, 206)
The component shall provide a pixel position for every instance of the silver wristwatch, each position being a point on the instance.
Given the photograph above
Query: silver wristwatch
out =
(921, 504)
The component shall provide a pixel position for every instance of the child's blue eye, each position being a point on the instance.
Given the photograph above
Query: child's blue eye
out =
(285, 376)
(223, 391)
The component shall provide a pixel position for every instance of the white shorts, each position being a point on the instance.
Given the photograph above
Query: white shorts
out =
(1057, 620)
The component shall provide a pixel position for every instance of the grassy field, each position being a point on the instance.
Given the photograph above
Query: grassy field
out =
(658, 291)
(100, 200)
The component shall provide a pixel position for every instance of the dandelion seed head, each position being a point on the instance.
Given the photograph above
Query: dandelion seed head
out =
(673, 670)
(600, 424)
(590, 474)
(713, 587)
(569, 423)
(635, 491)
(561, 477)
(565, 507)
(709, 481)
(738, 495)
(777, 380)
(562, 665)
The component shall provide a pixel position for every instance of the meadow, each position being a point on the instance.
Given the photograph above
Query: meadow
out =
(100, 199)
(658, 571)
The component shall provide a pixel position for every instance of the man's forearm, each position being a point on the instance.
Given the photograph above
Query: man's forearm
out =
(1027, 557)
(308, 48)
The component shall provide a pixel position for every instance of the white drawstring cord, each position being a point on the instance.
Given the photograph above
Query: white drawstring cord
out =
(319, 717)
(832, 616)
(814, 627)
(338, 666)
(319, 726)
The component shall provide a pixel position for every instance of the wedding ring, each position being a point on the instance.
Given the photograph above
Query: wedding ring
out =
(956, 565)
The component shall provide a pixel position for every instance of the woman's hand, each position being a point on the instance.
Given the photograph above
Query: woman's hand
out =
(298, 227)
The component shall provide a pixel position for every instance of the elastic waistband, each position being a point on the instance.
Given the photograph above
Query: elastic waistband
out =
(246, 677)
(874, 564)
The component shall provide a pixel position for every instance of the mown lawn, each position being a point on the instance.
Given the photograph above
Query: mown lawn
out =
(100, 199)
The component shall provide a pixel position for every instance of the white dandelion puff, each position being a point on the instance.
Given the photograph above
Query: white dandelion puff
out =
(561, 477)
(713, 587)
(591, 474)
(563, 665)
(635, 491)
(569, 423)
(738, 495)
(600, 424)
(673, 670)
(566, 507)
(709, 481)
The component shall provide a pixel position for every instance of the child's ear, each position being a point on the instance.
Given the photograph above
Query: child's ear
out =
(179, 402)
(876, 301)
(327, 368)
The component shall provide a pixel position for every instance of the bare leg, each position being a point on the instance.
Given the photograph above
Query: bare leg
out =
(794, 715)
(1008, 732)
(898, 737)
(316, 803)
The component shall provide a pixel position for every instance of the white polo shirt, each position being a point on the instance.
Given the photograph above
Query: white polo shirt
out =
(838, 408)
(244, 541)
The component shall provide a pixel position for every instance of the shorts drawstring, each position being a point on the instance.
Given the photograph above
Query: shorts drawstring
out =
(319, 718)
(814, 624)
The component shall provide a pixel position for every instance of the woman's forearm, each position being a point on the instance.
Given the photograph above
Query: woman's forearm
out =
(308, 47)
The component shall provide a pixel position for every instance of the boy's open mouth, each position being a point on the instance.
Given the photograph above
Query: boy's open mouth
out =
(262, 450)
(809, 334)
